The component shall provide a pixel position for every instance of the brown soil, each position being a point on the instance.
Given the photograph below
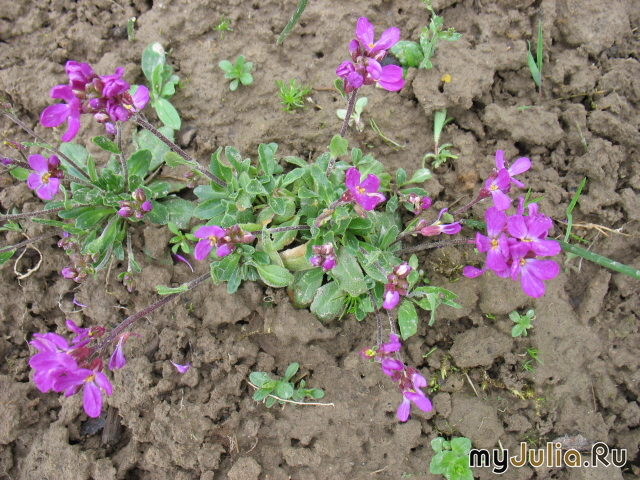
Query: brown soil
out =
(205, 425)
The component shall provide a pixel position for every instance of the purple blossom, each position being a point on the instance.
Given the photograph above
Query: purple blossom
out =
(364, 193)
(391, 299)
(54, 115)
(498, 186)
(181, 368)
(532, 236)
(117, 360)
(180, 258)
(94, 383)
(365, 34)
(532, 271)
(410, 383)
(46, 178)
(210, 237)
(396, 285)
(438, 227)
(323, 256)
(521, 165)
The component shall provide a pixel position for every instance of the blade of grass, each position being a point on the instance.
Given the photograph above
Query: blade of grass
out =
(302, 4)
(570, 208)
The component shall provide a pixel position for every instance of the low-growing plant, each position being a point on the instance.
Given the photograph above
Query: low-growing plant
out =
(337, 231)
(282, 390)
(238, 73)
(292, 95)
(441, 153)
(522, 323)
(223, 27)
(451, 458)
(535, 64)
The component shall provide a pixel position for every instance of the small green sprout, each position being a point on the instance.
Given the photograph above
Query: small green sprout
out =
(535, 65)
(181, 240)
(356, 114)
(223, 26)
(292, 95)
(441, 152)
(452, 458)
(283, 390)
(238, 73)
(522, 323)
(533, 353)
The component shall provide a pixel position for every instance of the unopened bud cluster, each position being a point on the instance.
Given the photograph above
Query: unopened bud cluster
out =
(323, 256)
(137, 207)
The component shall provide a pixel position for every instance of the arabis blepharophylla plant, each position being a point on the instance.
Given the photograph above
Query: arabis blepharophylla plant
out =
(330, 230)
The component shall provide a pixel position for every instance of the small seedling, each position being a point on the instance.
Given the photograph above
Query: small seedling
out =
(535, 65)
(181, 240)
(419, 55)
(357, 113)
(238, 73)
(533, 353)
(282, 390)
(163, 84)
(452, 458)
(223, 26)
(441, 152)
(292, 95)
(522, 323)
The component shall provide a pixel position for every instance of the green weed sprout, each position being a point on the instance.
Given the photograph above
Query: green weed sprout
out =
(292, 95)
(239, 73)
(283, 390)
(419, 55)
(533, 353)
(535, 65)
(163, 84)
(522, 323)
(441, 152)
(180, 240)
(452, 458)
(223, 26)
(357, 113)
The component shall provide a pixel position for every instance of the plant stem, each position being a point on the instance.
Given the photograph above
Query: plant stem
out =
(282, 229)
(378, 319)
(126, 323)
(345, 124)
(123, 162)
(16, 216)
(442, 243)
(140, 120)
(27, 242)
(22, 125)
(600, 260)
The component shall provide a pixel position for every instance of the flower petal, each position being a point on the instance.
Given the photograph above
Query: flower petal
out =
(92, 400)
(387, 40)
(365, 32)
(203, 247)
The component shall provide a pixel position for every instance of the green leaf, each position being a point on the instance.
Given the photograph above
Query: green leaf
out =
(180, 210)
(533, 67)
(338, 146)
(259, 378)
(146, 140)
(138, 163)
(269, 402)
(4, 256)
(437, 444)
(261, 394)
(291, 371)
(20, 173)
(266, 157)
(106, 144)
(407, 319)
(305, 285)
(235, 159)
(78, 154)
(226, 66)
(461, 445)
(348, 274)
(162, 290)
(323, 187)
(292, 176)
(219, 169)
(152, 56)
(401, 177)
(91, 217)
(168, 114)
(420, 176)
(55, 223)
(274, 275)
(254, 187)
(328, 302)
(284, 390)
(172, 159)
(209, 209)
(159, 214)
(100, 244)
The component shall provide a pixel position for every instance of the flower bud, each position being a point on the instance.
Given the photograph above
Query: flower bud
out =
(138, 195)
(126, 212)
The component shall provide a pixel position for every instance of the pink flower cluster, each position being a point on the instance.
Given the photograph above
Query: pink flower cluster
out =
(397, 285)
(63, 368)
(513, 244)
(105, 97)
(224, 239)
(139, 206)
(409, 381)
(323, 256)
(366, 55)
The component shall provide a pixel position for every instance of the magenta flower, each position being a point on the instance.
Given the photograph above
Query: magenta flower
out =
(52, 360)
(438, 227)
(323, 256)
(410, 384)
(181, 368)
(365, 34)
(46, 178)
(365, 193)
(55, 115)
(396, 285)
(118, 360)
(391, 299)
(532, 236)
(495, 244)
(93, 382)
(498, 186)
(210, 237)
(388, 77)
(532, 271)
(521, 165)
